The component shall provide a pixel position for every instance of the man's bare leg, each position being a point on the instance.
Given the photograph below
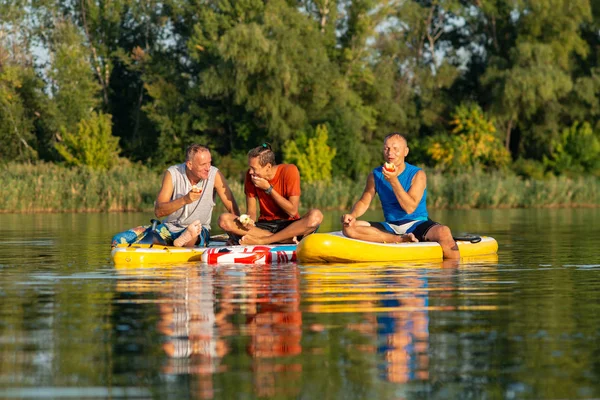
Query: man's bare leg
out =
(189, 237)
(364, 231)
(442, 235)
(230, 224)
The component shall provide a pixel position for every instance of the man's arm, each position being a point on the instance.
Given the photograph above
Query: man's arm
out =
(408, 200)
(164, 205)
(225, 194)
(290, 206)
(362, 205)
(251, 207)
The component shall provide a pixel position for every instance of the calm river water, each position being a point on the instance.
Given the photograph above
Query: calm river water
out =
(523, 325)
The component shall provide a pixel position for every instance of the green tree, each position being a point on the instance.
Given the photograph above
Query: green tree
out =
(16, 126)
(17, 82)
(72, 83)
(530, 66)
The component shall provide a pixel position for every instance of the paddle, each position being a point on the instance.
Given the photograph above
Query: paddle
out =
(467, 237)
(151, 236)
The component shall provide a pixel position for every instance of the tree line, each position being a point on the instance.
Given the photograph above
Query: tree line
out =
(491, 84)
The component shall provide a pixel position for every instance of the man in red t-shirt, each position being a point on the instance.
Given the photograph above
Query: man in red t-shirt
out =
(277, 188)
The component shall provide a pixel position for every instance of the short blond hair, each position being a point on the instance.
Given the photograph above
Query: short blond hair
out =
(193, 149)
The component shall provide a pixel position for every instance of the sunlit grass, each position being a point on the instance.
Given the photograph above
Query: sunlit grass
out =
(48, 187)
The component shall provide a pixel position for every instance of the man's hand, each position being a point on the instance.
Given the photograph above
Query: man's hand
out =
(192, 196)
(245, 221)
(390, 176)
(260, 183)
(409, 237)
(348, 220)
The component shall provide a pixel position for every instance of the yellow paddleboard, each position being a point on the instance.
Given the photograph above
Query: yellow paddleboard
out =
(143, 254)
(335, 247)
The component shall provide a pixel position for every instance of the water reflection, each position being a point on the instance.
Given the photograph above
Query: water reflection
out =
(393, 303)
(207, 314)
(524, 325)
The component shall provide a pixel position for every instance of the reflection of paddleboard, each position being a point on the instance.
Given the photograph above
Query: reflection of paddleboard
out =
(335, 247)
(144, 254)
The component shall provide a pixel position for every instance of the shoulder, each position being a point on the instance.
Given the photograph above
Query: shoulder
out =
(377, 172)
(290, 167)
(176, 169)
(217, 175)
(289, 170)
(214, 171)
(419, 176)
(413, 167)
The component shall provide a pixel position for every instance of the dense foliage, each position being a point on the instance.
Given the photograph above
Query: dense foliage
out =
(470, 83)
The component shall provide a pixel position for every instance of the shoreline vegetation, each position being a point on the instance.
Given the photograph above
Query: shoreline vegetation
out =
(52, 188)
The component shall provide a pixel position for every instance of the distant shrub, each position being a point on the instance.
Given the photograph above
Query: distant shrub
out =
(312, 156)
(527, 168)
(93, 145)
(576, 151)
(472, 143)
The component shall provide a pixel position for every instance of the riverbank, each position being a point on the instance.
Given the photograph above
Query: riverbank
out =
(46, 187)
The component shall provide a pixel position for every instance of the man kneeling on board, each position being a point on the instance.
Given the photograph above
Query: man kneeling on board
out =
(186, 198)
(402, 189)
(277, 189)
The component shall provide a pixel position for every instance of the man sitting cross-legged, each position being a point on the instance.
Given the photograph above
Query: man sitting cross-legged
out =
(277, 189)
(402, 190)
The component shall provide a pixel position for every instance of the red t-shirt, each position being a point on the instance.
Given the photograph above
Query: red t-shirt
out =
(286, 182)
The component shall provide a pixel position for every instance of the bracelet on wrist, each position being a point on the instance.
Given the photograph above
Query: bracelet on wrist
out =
(269, 190)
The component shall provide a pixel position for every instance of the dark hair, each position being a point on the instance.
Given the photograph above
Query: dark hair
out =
(194, 148)
(395, 134)
(264, 153)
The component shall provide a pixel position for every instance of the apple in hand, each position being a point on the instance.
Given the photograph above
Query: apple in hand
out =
(245, 220)
(389, 167)
(196, 189)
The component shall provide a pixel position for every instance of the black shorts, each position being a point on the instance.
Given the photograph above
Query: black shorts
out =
(420, 230)
(278, 225)
(275, 225)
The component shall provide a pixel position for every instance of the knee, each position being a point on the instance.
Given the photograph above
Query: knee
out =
(315, 217)
(226, 222)
(444, 234)
(349, 231)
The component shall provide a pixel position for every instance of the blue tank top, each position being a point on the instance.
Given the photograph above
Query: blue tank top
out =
(391, 208)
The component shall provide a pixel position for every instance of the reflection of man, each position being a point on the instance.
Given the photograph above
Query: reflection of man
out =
(406, 334)
(197, 310)
(275, 329)
(190, 319)
(394, 324)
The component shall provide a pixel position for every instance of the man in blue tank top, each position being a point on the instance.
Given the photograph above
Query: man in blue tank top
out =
(402, 189)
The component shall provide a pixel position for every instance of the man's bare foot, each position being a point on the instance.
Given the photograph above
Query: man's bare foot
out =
(190, 234)
(249, 239)
(408, 237)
